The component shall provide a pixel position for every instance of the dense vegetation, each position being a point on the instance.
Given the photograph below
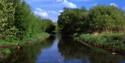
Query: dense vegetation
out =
(101, 26)
(71, 20)
(97, 19)
(109, 41)
(19, 25)
(107, 18)
(17, 22)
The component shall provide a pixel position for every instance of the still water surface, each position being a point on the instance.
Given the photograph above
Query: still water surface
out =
(53, 55)
(64, 50)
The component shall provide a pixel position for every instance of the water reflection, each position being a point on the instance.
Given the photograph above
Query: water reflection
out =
(28, 53)
(63, 50)
(73, 50)
(50, 55)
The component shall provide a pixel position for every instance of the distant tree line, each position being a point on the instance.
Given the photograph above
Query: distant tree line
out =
(97, 19)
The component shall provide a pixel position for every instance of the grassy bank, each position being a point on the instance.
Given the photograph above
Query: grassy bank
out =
(105, 40)
(6, 46)
(33, 38)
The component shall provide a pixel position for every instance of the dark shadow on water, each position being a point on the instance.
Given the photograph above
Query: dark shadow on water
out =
(71, 49)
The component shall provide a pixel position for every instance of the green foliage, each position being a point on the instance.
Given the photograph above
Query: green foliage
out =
(71, 20)
(87, 37)
(19, 25)
(97, 19)
(106, 18)
(47, 25)
(108, 40)
(18, 22)
(102, 37)
(107, 21)
(7, 10)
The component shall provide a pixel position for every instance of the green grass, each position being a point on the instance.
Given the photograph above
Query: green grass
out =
(33, 38)
(108, 40)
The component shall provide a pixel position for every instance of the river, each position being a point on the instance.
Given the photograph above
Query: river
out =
(64, 50)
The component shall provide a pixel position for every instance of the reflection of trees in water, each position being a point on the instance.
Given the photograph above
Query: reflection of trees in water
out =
(74, 50)
(28, 53)
(70, 49)
(104, 57)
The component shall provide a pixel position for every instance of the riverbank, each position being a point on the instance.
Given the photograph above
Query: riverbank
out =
(27, 53)
(6, 46)
(33, 38)
(109, 41)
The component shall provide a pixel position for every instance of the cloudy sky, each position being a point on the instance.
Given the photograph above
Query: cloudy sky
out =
(52, 8)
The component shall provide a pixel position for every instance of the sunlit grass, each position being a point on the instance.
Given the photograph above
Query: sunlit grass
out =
(107, 40)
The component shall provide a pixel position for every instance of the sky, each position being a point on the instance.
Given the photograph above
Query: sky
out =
(51, 9)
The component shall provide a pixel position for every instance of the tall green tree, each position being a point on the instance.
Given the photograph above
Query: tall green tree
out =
(7, 10)
(106, 18)
(97, 19)
(17, 20)
(71, 20)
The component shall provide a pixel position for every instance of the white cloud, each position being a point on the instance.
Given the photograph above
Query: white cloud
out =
(50, 9)
(40, 12)
(114, 4)
(67, 3)
(48, 14)
(60, 11)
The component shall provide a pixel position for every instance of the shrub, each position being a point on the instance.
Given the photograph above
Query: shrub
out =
(109, 40)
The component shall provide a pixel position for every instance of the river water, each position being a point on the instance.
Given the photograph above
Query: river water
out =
(64, 50)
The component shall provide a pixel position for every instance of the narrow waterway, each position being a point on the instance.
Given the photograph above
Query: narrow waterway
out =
(50, 55)
(64, 50)
(53, 55)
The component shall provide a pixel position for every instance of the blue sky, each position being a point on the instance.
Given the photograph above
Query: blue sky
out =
(52, 8)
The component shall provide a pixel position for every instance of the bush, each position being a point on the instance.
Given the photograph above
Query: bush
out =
(109, 40)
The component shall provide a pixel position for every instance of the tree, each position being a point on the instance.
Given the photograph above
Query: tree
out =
(7, 10)
(106, 18)
(71, 20)
(48, 25)
(22, 13)
(17, 20)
